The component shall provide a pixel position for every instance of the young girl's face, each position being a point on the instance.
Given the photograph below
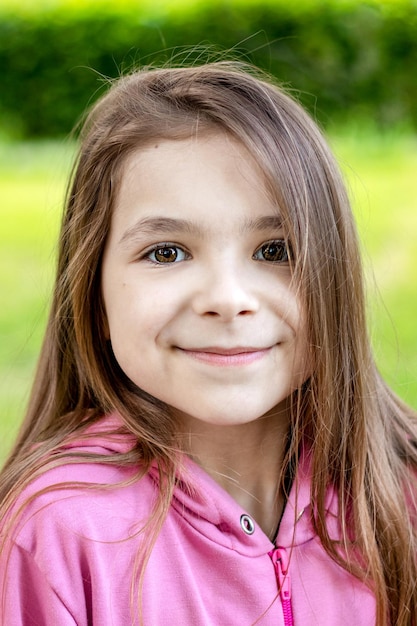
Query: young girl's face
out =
(196, 282)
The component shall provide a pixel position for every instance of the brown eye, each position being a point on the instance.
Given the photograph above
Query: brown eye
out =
(275, 251)
(166, 254)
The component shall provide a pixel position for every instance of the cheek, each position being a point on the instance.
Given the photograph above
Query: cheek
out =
(304, 353)
(134, 322)
(303, 360)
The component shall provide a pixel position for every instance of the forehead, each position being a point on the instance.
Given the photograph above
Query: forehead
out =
(193, 177)
(205, 150)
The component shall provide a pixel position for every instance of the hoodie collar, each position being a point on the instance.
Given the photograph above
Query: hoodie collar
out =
(212, 511)
(208, 508)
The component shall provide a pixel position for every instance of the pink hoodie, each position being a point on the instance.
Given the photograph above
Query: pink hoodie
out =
(211, 565)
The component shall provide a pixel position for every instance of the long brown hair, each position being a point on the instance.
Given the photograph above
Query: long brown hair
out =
(361, 437)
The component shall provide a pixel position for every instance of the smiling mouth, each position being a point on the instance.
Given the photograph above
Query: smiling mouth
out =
(227, 357)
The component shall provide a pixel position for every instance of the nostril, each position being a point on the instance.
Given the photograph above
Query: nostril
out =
(219, 314)
(224, 301)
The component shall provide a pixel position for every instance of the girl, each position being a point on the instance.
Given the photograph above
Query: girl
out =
(208, 440)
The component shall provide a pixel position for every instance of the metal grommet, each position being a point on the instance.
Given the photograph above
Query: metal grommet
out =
(247, 524)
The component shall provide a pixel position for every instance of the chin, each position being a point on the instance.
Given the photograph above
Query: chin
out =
(223, 419)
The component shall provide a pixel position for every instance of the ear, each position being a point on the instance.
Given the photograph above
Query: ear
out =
(106, 328)
(102, 318)
(104, 323)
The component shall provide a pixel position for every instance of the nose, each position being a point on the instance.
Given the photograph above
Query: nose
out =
(225, 293)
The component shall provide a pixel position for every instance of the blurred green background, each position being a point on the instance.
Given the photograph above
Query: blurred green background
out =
(351, 63)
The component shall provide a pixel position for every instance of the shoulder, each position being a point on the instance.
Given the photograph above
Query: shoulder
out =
(85, 501)
(86, 492)
(69, 529)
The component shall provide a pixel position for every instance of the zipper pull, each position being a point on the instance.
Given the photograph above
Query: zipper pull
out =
(280, 561)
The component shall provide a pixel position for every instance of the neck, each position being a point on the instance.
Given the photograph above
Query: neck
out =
(246, 460)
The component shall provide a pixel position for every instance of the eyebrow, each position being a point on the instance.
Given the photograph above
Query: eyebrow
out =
(265, 222)
(161, 224)
(152, 225)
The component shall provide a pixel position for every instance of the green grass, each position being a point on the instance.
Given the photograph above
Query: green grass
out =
(381, 172)
(32, 181)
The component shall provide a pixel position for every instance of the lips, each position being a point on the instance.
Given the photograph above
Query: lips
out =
(216, 355)
(227, 351)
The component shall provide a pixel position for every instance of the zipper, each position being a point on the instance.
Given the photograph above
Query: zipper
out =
(280, 561)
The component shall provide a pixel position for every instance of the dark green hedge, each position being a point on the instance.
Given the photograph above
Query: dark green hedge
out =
(346, 58)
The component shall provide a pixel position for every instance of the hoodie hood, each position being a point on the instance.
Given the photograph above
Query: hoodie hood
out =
(207, 507)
